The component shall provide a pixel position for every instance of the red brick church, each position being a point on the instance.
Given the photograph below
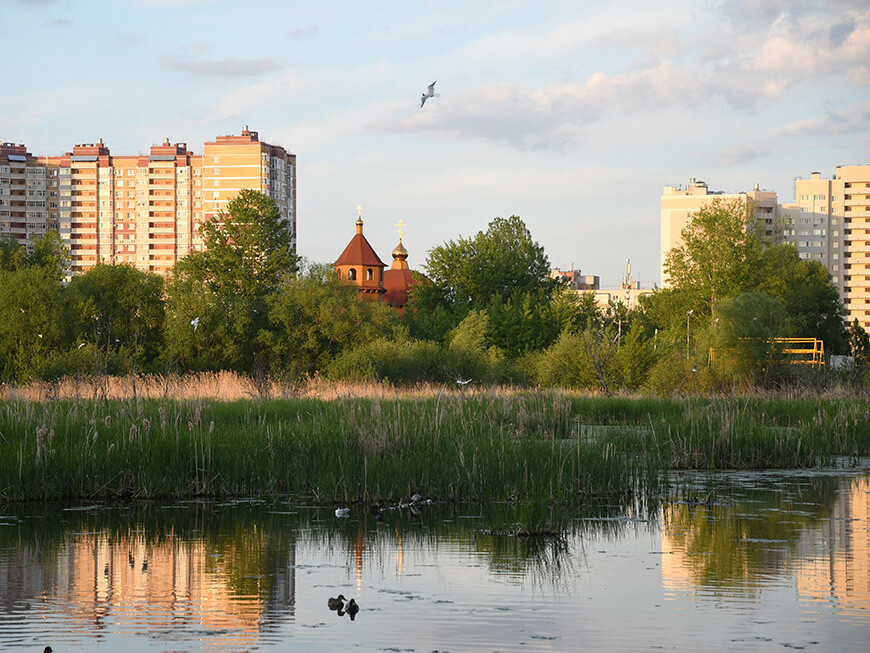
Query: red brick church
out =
(360, 264)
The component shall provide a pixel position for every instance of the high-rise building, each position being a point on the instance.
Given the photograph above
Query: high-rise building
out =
(678, 204)
(24, 195)
(143, 210)
(832, 221)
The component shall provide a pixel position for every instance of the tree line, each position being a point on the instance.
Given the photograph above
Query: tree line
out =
(486, 309)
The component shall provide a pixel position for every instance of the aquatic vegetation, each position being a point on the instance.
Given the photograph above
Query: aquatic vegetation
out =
(534, 449)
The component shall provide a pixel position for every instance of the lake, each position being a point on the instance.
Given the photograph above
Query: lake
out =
(732, 561)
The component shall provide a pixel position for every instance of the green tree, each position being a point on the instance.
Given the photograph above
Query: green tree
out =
(316, 317)
(811, 301)
(30, 322)
(248, 248)
(744, 327)
(51, 254)
(119, 311)
(722, 257)
(859, 344)
(504, 259)
(48, 253)
(524, 323)
(719, 256)
(12, 254)
(218, 298)
(595, 358)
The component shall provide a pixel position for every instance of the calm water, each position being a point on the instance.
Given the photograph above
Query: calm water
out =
(740, 561)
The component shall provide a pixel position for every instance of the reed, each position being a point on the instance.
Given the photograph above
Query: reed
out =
(532, 449)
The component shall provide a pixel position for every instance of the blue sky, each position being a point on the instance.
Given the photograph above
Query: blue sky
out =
(572, 115)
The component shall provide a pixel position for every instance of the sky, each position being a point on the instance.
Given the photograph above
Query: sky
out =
(572, 115)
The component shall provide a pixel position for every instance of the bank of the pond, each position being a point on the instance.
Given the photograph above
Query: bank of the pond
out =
(538, 446)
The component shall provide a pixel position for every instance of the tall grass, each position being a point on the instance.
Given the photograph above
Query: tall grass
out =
(545, 447)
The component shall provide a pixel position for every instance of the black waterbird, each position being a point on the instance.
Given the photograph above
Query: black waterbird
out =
(337, 603)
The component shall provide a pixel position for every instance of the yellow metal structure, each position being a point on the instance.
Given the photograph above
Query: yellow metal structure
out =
(798, 351)
(802, 351)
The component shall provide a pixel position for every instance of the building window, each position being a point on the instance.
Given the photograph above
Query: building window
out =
(369, 274)
(351, 274)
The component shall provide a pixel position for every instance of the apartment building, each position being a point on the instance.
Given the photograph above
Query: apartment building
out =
(24, 195)
(831, 223)
(678, 204)
(143, 210)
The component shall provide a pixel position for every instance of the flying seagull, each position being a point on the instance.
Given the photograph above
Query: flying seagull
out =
(430, 92)
(342, 512)
(195, 323)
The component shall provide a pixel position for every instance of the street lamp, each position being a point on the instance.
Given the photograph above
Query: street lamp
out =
(688, 315)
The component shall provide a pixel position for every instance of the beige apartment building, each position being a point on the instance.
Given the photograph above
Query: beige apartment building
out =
(24, 195)
(678, 204)
(143, 210)
(831, 223)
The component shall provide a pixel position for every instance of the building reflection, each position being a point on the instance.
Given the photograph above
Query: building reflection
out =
(822, 542)
(837, 555)
(224, 589)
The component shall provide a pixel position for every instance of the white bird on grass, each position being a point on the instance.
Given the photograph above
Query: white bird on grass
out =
(195, 323)
(342, 512)
(430, 92)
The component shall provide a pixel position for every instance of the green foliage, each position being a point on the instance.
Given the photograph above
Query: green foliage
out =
(49, 253)
(227, 287)
(744, 327)
(528, 322)
(317, 316)
(597, 358)
(394, 361)
(31, 327)
(118, 309)
(504, 259)
(859, 344)
(719, 254)
(12, 254)
(811, 302)
(722, 257)
(248, 248)
(470, 354)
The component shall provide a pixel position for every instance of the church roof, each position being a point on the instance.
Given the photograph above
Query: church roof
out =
(359, 252)
(397, 282)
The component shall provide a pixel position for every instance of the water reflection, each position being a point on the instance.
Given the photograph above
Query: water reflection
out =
(764, 526)
(246, 575)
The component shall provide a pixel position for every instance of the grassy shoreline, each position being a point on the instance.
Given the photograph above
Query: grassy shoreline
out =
(548, 447)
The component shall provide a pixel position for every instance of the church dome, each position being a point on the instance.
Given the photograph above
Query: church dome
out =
(400, 252)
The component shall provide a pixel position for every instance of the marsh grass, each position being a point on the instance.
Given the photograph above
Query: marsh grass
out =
(532, 449)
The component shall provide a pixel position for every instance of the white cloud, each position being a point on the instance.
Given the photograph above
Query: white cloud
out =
(738, 155)
(246, 100)
(229, 67)
(854, 119)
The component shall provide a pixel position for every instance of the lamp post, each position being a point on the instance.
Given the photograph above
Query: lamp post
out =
(688, 315)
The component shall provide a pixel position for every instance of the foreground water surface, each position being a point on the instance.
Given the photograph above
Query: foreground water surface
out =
(732, 561)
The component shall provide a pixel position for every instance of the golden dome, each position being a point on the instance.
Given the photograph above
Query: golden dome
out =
(400, 252)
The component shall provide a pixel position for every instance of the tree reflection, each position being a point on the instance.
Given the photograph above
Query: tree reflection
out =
(754, 533)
